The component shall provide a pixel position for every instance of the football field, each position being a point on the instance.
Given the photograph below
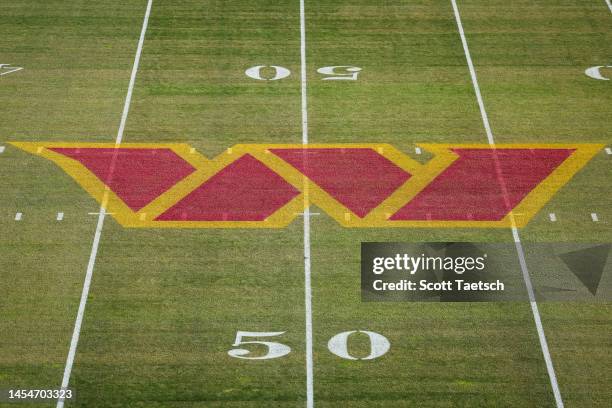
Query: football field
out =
(118, 116)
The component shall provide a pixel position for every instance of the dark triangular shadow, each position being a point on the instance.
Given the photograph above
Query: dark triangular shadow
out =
(588, 264)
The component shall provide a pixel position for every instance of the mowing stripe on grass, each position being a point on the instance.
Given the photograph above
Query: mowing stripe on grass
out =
(517, 241)
(101, 216)
(307, 280)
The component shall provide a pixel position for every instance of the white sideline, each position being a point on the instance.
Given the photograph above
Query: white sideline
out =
(96, 241)
(307, 280)
(517, 241)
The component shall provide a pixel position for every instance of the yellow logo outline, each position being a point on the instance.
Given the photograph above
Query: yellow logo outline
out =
(310, 192)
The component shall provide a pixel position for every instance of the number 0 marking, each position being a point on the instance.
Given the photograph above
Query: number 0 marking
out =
(350, 73)
(275, 350)
(379, 345)
(279, 72)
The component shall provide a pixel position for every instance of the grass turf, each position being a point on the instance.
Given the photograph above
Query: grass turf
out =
(165, 305)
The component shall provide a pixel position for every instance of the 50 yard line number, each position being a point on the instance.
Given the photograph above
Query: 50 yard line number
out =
(276, 72)
(338, 345)
(351, 72)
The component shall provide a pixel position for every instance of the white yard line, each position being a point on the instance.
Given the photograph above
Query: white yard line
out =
(468, 57)
(517, 241)
(609, 3)
(307, 274)
(536, 317)
(96, 241)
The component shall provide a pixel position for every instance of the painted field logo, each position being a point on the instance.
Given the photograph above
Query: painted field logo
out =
(359, 185)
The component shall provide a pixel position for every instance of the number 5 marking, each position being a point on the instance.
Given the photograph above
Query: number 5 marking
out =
(10, 68)
(595, 72)
(350, 73)
(275, 350)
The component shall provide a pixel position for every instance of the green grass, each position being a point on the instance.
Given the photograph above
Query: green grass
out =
(77, 57)
(165, 305)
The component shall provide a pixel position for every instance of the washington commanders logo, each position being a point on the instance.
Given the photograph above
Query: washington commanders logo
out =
(359, 185)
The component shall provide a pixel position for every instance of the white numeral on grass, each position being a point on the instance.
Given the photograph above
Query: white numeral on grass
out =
(379, 345)
(276, 72)
(279, 72)
(335, 73)
(595, 72)
(275, 350)
(338, 345)
(6, 69)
